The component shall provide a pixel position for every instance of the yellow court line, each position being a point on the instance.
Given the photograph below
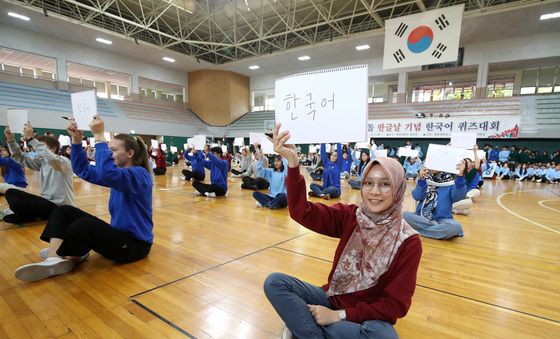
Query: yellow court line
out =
(498, 200)
(550, 208)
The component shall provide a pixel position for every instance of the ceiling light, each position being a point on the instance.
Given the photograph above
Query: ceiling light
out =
(303, 58)
(168, 59)
(104, 41)
(550, 16)
(254, 67)
(362, 47)
(18, 16)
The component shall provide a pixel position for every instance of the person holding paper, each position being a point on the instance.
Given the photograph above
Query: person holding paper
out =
(346, 163)
(245, 159)
(121, 165)
(331, 175)
(277, 198)
(198, 172)
(161, 163)
(364, 160)
(12, 172)
(435, 193)
(258, 182)
(218, 175)
(55, 179)
(373, 276)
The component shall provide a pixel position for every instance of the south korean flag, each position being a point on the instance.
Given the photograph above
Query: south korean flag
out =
(426, 38)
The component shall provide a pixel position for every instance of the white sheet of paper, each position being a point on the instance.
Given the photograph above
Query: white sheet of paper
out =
(64, 140)
(255, 137)
(444, 158)
(407, 152)
(312, 149)
(84, 107)
(267, 146)
(328, 148)
(238, 141)
(463, 140)
(92, 141)
(224, 149)
(84, 143)
(154, 143)
(16, 119)
(164, 147)
(173, 149)
(214, 145)
(107, 136)
(362, 144)
(199, 141)
(380, 153)
(309, 104)
(470, 154)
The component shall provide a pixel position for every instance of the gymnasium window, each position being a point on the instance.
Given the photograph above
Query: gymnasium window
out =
(542, 80)
(443, 91)
(499, 88)
(262, 100)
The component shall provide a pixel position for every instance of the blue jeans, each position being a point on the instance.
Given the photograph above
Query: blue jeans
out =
(355, 184)
(280, 201)
(333, 191)
(441, 229)
(290, 296)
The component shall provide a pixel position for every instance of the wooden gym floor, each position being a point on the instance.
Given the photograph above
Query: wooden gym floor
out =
(203, 277)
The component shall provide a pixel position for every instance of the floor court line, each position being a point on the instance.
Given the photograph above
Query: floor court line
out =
(499, 201)
(541, 202)
(165, 320)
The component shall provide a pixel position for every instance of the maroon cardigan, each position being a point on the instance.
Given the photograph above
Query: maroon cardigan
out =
(391, 297)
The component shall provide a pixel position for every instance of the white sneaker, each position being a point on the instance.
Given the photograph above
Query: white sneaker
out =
(7, 211)
(286, 333)
(258, 204)
(210, 194)
(44, 253)
(45, 269)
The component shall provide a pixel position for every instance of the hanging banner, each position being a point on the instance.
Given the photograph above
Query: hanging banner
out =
(488, 127)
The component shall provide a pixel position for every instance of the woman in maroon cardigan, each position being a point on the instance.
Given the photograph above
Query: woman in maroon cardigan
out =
(373, 276)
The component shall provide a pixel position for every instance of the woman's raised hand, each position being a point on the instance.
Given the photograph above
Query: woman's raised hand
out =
(287, 151)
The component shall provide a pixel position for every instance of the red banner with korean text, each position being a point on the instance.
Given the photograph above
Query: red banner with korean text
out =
(489, 127)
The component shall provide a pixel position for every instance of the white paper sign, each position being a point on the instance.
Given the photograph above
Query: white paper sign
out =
(17, 118)
(267, 146)
(199, 141)
(64, 140)
(84, 143)
(444, 158)
(362, 145)
(188, 144)
(407, 152)
(463, 140)
(84, 107)
(154, 143)
(164, 147)
(92, 141)
(312, 149)
(380, 153)
(309, 104)
(238, 142)
(173, 149)
(224, 149)
(107, 136)
(255, 137)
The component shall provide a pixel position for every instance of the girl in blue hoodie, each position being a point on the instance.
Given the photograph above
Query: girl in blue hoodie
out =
(331, 175)
(363, 161)
(121, 165)
(12, 172)
(218, 175)
(435, 194)
(197, 165)
(277, 177)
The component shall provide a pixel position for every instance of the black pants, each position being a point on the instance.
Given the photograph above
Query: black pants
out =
(160, 170)
(82, 232)
(196, 175)
(236, 172)
(254, 184)
(205, 188)
(27, 207)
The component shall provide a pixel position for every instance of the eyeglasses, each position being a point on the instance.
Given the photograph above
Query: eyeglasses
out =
(384, 186)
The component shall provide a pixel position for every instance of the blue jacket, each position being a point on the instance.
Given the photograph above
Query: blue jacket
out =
(493, 155)
(504, 171)
(552, 174)
(474, 182)
(218, 170)
(447, 195)
(277, 179)
(347, 164)
(503, 156)
(530, 171)
(331, 170)
(130, 202)
(14, 172)
(197, 161)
